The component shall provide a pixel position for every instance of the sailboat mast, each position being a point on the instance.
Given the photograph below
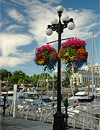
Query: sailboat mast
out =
(92, 59)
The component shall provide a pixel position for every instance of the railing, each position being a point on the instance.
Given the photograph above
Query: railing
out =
(44, 113)
(84, 122)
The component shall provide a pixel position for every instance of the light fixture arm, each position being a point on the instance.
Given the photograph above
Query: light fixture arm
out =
(60, 26)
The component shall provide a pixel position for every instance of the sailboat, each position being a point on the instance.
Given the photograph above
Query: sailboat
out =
(92, 97)
(91, 91)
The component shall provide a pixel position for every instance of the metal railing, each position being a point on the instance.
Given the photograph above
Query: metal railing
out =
(44, 113)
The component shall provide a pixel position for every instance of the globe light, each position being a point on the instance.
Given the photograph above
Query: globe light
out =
(65, 18)
(49, 31)
(54, 21)
(59, 9)
(71, 25)
(58, 26)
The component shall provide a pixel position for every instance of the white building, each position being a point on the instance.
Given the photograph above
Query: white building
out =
(83, 75)
(85, 78)
(63, 73)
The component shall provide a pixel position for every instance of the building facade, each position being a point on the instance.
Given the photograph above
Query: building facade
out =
(83, 76)
(63, 73)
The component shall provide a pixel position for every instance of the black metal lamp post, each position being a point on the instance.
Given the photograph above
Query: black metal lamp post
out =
(59, 123)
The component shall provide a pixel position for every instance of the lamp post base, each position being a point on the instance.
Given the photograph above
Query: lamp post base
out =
(59, 123)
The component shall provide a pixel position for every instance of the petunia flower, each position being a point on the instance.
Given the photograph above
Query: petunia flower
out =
(43, 59)
(74, 49)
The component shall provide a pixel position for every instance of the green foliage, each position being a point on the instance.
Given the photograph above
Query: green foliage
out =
(20, 77)
(35, 78)
(66, 82)
(27, 79)
(20, 81)
(3, 74)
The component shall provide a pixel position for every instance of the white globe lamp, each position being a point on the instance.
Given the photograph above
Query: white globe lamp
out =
(49, 31)
(71, 25)
(54, 21)
(59, 9)
(65, 18)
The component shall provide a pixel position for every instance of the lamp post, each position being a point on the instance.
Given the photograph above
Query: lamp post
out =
(58, 26)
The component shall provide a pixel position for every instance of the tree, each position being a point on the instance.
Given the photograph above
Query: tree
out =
(66, 82)
(20, 81)
(18, 75)
(35, 78)
(4, 74)
(27, 79)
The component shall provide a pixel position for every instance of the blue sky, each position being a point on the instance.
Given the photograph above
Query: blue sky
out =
(23, 24)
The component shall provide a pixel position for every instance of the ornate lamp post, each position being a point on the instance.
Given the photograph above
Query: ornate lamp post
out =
(58, 26)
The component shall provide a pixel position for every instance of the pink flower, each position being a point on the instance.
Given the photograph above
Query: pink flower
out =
(80, 56)
(72, 45)
(75, 59)
(43, 59)
(39, 56)
(74, 49)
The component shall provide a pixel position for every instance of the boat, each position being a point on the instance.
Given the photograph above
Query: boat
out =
(10, 93)
(79, 95)
(32, 97)
(87, 99)
(35, 98)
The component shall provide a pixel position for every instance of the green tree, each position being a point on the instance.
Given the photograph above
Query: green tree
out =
(4, 74)
(20, 81)
(27, 79)
(66, 82)
(34, 78)
(18, 75)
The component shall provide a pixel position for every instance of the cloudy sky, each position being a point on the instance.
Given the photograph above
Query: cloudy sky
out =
(24, 22)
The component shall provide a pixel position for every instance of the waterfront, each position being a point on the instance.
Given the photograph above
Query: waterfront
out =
(10, 123)
(42, 115)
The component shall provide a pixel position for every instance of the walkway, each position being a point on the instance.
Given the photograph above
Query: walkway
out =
(10, 123)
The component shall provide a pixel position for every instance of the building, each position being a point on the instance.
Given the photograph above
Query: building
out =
(63, 73)
(85, 78)
(84, 75)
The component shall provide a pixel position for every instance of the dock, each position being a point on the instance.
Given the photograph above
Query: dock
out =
(10, 123)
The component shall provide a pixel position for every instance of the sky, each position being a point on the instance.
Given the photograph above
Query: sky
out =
(23, 25)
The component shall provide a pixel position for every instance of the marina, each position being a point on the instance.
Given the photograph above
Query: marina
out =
(50, 82)
(80, 116)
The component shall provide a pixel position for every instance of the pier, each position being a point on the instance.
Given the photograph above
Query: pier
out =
(10, 123)
(36, 116)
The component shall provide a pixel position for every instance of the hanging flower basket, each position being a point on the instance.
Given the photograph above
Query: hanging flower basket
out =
(46, 56)
(73, 52)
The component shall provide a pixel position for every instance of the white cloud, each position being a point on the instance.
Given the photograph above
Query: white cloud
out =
(13, 28)
(13, 13)
(39, 16)
(14, 61)
(28, 2)
(53, 1)
(10, 42)
(11, 56)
